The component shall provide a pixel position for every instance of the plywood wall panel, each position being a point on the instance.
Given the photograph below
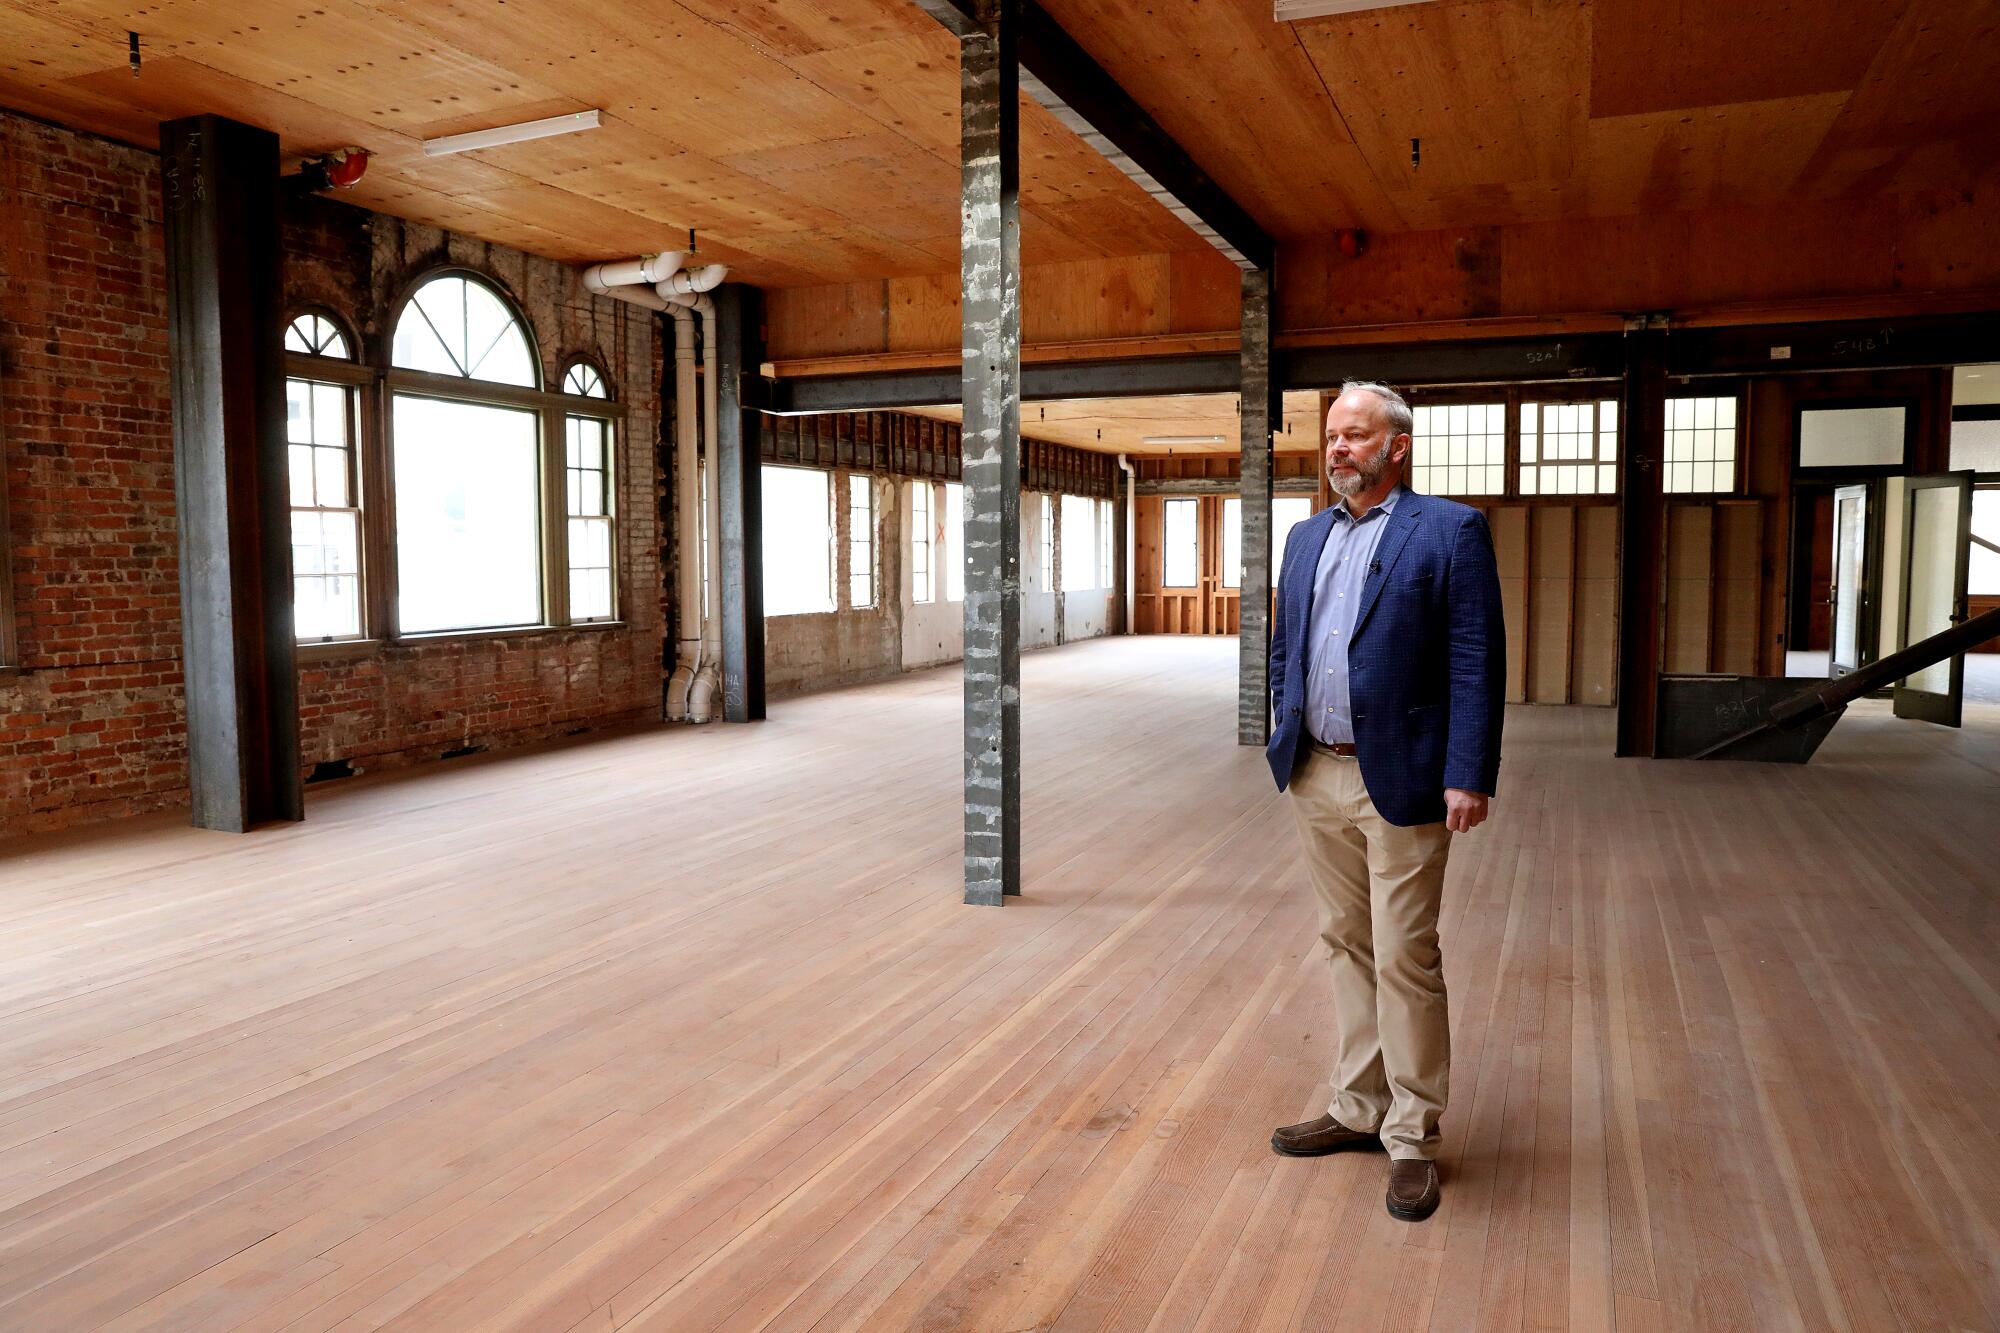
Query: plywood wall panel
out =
(1690, 569)
(1509, 524)
(1594, 640)
(1739, 573)
(1551, 565)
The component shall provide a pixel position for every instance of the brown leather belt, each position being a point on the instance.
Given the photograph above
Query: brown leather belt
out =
(1342, 750)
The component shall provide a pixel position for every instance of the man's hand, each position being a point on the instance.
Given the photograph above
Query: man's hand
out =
(1464, 811)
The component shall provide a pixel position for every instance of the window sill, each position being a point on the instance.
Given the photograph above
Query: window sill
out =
(508, 632)
(329, 650)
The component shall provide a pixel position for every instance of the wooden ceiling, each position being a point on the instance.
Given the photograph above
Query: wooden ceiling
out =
(1122, 425)
(815, 140)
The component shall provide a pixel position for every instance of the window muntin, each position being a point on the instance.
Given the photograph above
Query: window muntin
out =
(1079, 543)
(326, 514)
(1569, 448)
(1701, 445)
(860, 541)
(1045, 547)
(468, 515)
(798, 540)
(923, 542)
(315, 335)
(1178, 550)
(587, 488)
(1459, 449)
(456, 325)
(954, 541)
(582, 380)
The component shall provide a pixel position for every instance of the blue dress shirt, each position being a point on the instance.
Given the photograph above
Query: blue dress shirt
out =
(1343, 567)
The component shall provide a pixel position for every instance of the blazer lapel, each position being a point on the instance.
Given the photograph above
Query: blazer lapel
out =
(1402, 523)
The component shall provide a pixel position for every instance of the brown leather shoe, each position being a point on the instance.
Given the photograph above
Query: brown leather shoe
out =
(1317, 1138)
(1413, 1189)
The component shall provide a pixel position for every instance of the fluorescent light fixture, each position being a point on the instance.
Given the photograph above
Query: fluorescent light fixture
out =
(505, 134)
(1180, 439)
(1291, 11)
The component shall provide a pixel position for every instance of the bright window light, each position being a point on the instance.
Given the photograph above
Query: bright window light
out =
(798, 541)
(468, 516)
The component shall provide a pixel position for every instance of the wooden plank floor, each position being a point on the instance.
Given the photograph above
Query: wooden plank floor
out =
(687, 1030)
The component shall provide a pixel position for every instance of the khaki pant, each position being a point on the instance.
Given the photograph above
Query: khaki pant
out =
(1379, 887)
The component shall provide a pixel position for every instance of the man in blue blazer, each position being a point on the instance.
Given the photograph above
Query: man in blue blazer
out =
(1388, 675)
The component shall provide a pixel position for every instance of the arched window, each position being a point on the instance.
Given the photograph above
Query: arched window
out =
(313, 334)
(320, 420)
(455, 324)
(583, 380)
(503, 490)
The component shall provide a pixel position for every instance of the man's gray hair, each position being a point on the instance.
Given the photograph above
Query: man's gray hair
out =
(1401, 420)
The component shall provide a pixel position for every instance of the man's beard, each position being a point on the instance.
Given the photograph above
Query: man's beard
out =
(1365, 475)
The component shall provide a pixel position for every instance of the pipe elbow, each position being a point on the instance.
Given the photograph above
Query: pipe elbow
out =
(658, 268)
(693, 281)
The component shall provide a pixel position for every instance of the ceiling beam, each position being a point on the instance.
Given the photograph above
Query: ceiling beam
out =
(1486, 361)
(1080, 93)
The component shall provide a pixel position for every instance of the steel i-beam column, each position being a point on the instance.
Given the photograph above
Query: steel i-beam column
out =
(738, 329)
(1258, 413)
(990, 269)
(224, 301)
(1642, 532)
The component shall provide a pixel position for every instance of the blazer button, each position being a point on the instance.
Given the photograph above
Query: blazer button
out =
(1358, 717)
(1295, 712)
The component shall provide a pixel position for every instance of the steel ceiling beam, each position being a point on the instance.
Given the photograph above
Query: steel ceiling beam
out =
(1079, 92)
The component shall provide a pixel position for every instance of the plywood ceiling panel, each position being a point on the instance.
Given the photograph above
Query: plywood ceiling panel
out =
(815, 141)
(806, 143)
(1670, 55)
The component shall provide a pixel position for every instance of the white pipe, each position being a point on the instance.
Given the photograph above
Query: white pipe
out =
(693, 280)
(707, 687)
(1131, 538)
(647, 269)
(643, 296)
(687, 658)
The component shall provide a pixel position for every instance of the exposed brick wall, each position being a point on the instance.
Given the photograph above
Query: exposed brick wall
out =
(93, 726)
(96, 725)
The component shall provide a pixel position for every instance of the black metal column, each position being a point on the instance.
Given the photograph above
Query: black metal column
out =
(1642, 525)
(739, 332)
(1259, 412)
(990, 269)
(224, 307)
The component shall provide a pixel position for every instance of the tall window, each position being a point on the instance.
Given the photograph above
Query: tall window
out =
(1459, 449)
(860, 541)
(1569, 448)
(588, 494)
(325, 490)
(1046, 547)
(1286, 511)
(954, 542)
(1079, 547)
(1178, 551)
(1701, 444)
(467, 469)
(798, 541)
(1107, 545)
(1232, 542)
(923, 541)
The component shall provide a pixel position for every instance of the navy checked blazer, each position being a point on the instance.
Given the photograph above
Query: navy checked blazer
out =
(1427, 664)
